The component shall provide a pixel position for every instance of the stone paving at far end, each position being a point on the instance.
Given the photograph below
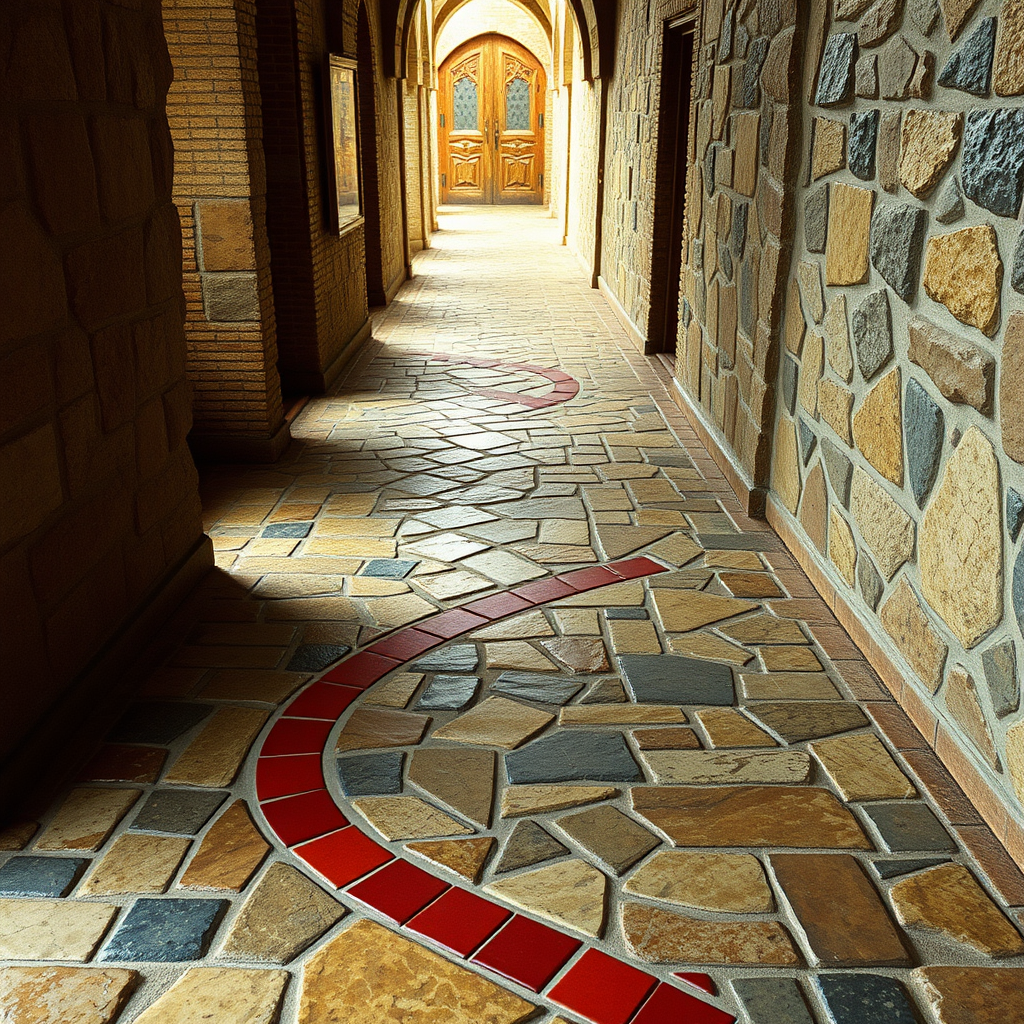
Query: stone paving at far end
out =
(498, 709)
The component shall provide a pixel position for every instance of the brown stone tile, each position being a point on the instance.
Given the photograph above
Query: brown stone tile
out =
(862, 769)
(895, 726)
(783, 658)
(972, 995)
(497, 722)
(86, 818)
(864, 684)
(368, 728)
(215, 755)
(998, 866)
(463, 779)
(669, 738)
(18, 835)
(70, 995)
(117, 762)
(727, 727)
(466, 857)
(571, 893)
(136, 863)
(264, 685)
(611, 836)
(227, 994)
(939, 784)
(229, 854)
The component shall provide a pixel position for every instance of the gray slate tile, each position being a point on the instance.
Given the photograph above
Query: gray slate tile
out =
(40, 876)
(376, 774)
(545, 688)
(909, 826)
(182, 812)
(573, 757)
(165, 931)
(673, 679)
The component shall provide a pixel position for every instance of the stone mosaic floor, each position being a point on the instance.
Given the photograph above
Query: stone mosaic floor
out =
(497, 709)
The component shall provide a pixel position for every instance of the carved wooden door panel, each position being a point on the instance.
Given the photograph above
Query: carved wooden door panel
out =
(491, 99)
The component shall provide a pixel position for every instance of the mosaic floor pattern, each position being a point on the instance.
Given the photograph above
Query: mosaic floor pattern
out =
(498, 709)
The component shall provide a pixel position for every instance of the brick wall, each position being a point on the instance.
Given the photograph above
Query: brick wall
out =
(98, 493)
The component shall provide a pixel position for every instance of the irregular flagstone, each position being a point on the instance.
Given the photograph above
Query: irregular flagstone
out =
(570, 893)
(907, 826)
(788, 686)
(765, 629)
(229, 853)
(925, 429)
(136, 863)
(228, 995)
(709, 646)
(732, 883)
(52, 929)
(667, 937)
(617, 541)
(368, 974)
(86, 818)
(785, 479)
(783, 658)
(835, 404)
(796, 721)
(840, 911)
(681, 611)
(605, 691)
(961, 542)
(878, 427)
(862, 768)
(396, 691)
(750, 816)
(726, 727)
(40, 876)
(948, 900)
(465, 857)
(963, 704)
(1011, 375)
(517, 801)
(579, 654)
(992, 165)
(872, 332)
(962, 270)
(373, 774)
(904, 619)
(930, 140)
(462, 779)
(837, 338)
(496, 722)
(671, 679)
(407, 817)
(714, 768)
(1007, 71)
(970, 67)
(517, 654)
(838, 466)
(620, 714)
(971, 995)
(449, 691)
(573, 756)
(542, 687)
(849, 227)
(528, 844)
(669, 738)
(214, 757)
(842, 548)
(283, 914)
(885, 526)
(611, 836)
(522, 627)
(68, 995)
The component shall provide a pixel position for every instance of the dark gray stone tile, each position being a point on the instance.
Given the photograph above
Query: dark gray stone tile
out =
(949, 204)
(725, 37)
(376, 774)
(869, 581)
(1017, 270)
(808, 440)
(573, 756)
(679, 461)
(389, 568)
(158, 721)
(750, 93)
(1014, 513)
(528, 844)
(447, 691)
(725, 265)
(816, 218)
(230, 298)
(992, 166)
(673, 679)
(758, 541)
(871, 325)
(182, 812)
(316, 657)
(897, 240)
(543, 687)
(924, 429)
(165, 931)
(287, 530)
(839, 470)
(772, 1000)
(895, 868)
(625, 613)
(835, 80)
(863, 136)
(739, 229)
(969, 68)
(866, 999)
(1000, 664)
(1018, 590)
(457, 658)
(909, 826)
(748, 293)
(40, 876)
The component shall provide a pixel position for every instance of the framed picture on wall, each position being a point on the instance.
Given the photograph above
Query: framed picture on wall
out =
(344, 192)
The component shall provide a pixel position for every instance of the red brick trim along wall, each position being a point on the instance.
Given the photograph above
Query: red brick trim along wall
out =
(98, 493)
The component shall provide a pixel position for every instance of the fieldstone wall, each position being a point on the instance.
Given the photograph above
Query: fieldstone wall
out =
(899, 443)
(98, 493)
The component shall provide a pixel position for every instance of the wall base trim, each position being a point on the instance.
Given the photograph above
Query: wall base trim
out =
(752, 496)
(396, 283)
(73, 728)
(633, 332)
(885, 660)
(351, 347)
(208, 448)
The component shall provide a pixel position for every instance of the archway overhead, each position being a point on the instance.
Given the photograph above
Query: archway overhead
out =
(503, 17)
(449, 7)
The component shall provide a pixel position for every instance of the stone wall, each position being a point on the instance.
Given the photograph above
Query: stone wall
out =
(98, 493)
(899, 447)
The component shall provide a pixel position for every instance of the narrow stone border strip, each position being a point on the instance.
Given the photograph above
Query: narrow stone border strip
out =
(302, 814)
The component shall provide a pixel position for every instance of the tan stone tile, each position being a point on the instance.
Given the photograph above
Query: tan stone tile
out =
(495, 722)
(368, 728)
(620, 714)
(304, 564)
(849, 225)
(68, 995)
(971, 995)
(279, 547)
(52, 929)
(408, 817)
(578, 654)
(765, 629)
(136, 863)
(215, 755)
(229, 854)
(862, 768)
(564, 531)
(363, 526)
(625, 595)
(375, 586)
(350, 504)
(517, 654)
(677, 549)
(706, 767)
(750, 584)
(731, 883)
(396, 691)
(446, 586)
(733, 560)
(400, 610)
(727, 727)
(228, 995)
(783, 658)
(706, 645)
(86, 818)
(528, 625)
(577, 621)
(265, 685)
(459, 777)
(361, 976)
(283, 914)
(682, 611)
(518, 801)
(570, 893)
(668, 738)
(788, 686)
(466, 857)
(633, 636)
(661, 517)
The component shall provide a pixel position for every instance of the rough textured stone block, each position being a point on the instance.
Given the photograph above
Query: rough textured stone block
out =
(230, 298)
(165, 930)
(962, 702)
(866, 999)
(897, 238)
(1000, 664)
(863, 138)
(872, 333)
(897, 64)
(1017, 270)
(828, 147)
(835, 77)
(924, 426)
(815, 218)
(849, 227)
(962, 371)
(963, 271)
(993, 159)
(949, 204)
(224, 234)
(867, 76)
(1011, 388)
(877, 428)
(955, 13)
(1008, 71)
(904, 619)
(886, 528)
(928, 143)
(969, 68)
(888, 150)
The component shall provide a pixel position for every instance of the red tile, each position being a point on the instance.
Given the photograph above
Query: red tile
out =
(452, 623)
(298, 818)
(567, 388)
(361, 670)
(704, 982)
(459, 921)
(527, 952)
(296, 736)
(602, 989)
(283, 776)
(118, 762)
(343, 856)
(322, 700)
(558, 376)
(589, 579)
(498, 606)
(399, 891)
(541, 591)
(405, 645)
(633, 568)
(670, 1006)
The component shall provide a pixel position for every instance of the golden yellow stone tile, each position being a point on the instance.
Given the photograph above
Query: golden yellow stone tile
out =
(362, 526)
(788, 686)
(227, 995)
(350, 504)
(726, 767)
(661, 517)
(466, 857)
(528, 625)
(273, 546)
(621, 714)
(65, 995)
(303, 563)
(52, 929)
(517, 654)
(86, 818)
(495, 722)
(334, 608)
(17, 836)
(408, 817)
(229, 543)
(733, 560)
(229, 854)
(395, 692)
(634, 636)
(399, 610)
(706, 645)
(368, 974)
(136, 863)
(224, 559)
(577, 621)
(518, 801)
(727, 727)
(765, 629)
(862, 768)
(628, 594)
(570, 893)
(215, 755)
(375, 586)
(681, 611)
(357, 547)
(732, 883)
(781, 658)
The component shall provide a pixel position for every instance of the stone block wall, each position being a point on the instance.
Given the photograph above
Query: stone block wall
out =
(98, 492)
(899, 446)
(220, 190)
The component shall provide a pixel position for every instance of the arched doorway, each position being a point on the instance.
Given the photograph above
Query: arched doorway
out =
(491, 113)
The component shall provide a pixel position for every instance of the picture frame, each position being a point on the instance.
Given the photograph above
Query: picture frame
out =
(344, 183)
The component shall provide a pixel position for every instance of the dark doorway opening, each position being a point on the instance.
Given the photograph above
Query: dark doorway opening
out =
(366, 79)
(670, 187)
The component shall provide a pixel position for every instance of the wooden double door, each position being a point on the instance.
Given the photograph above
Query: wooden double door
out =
(491, 98)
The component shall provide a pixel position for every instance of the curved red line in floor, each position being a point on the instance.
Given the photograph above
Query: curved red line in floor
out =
(300, 811)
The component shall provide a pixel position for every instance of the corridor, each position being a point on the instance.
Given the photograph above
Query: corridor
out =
(497, 708)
